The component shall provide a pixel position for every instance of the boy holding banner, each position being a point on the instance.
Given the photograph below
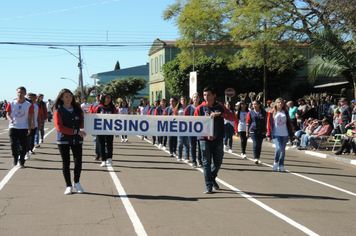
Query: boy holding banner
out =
(212, 146)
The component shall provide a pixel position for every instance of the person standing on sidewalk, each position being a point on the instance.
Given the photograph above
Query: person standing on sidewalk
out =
(20, 114)
(346, 114)
(49, 110)
(69, 119)
(256, 128)
(212, 147)
(106, 106)
(240, 126)
(279, 128)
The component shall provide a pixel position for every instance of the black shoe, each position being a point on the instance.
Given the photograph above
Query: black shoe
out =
(171, 155)
(338, 153)
(215, 185)
(208, 190)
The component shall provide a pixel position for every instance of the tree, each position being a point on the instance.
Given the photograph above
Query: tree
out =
(215, 72)
(87, 89)
(117, 65)
(126, 88)
(334, 56)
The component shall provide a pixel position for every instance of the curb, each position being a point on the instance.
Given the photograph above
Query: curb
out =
(312, 153)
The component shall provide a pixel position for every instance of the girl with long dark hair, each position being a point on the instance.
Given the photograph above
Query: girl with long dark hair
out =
(124, 109)
(162, 140)
(172, 140)
(106, 106)
(240, 126)
(182, 140)
(69, 119)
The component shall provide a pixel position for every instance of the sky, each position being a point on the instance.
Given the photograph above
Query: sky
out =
(135, 24)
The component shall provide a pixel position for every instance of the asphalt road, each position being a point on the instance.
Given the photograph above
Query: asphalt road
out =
(147, 192)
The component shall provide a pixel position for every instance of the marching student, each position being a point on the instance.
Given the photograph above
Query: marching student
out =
(256, 128)
(151, 112)
(106, 106)
(279, 128)
(172, 140)
(49, 110)
(212, 146)
(182, 140)
(162, 140)
(189, 111)
(20, 114)
(40, 131)
(69, 119)
(240, 126)
(95, 138)
(38, 123)
(229, 129)
(143, 109)
(124, 109)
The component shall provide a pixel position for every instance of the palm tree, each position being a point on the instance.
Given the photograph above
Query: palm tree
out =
(334, 56)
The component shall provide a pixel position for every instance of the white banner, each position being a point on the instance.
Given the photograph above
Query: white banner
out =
(112, 124)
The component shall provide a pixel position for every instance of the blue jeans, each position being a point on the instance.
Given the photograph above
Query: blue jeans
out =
(183, 140)
(96, 145)
(229, 132)
(257, 144)
(299, 135)
(172, 143)
(37, 135)
(280, 142)
(211, 149)
(313, 142)
(193, 148)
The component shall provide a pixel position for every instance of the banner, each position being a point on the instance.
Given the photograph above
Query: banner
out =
(113, 124)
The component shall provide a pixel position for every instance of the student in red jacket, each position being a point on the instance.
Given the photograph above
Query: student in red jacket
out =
(212, 147)
(69, 119)
(279, 128)
(106, 106)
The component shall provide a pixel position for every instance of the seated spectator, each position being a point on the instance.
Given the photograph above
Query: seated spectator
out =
(348, 139)
(316, 135)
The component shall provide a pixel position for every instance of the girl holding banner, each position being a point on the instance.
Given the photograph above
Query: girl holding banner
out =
(172, 140)
(106, 106)
(182, 140)
(189, 111)
(68, 119)
(143, 109)
(124, 109)
(162, 140)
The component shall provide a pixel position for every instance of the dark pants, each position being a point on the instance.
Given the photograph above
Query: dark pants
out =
(172, 142)
(31, 140)
(109, 141)
(257, 144)
(243, 139)
(193, 148)
(77, 151)
(229, 132)
(294, 123)
(162, 140)
(49, 116)
(154, 139)
(21, 136)
(343, 129)
(211, 150)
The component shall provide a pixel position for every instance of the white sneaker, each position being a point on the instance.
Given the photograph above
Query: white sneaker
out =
(225, 148)
(103, 164)
(68, 190)
(179, 159)
(164, 148)
(27, 156)
(230, 151)
(78, 187)
(126, 140)
(109, 162)
(41, 141)
(122, 140)
(275, 166)
(257, 161)
(160, 146)
(281, 169)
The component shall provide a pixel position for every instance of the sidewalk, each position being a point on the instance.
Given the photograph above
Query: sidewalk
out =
(349, 159)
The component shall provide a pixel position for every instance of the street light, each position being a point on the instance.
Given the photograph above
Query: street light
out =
(71, 80)
(80, 65)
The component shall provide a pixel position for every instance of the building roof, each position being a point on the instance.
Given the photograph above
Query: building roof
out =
(159, 44)
(131, 71)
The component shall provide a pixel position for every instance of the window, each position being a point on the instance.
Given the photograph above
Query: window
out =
(160, 62)
(156, 64)
(153, 98)
(151, 66)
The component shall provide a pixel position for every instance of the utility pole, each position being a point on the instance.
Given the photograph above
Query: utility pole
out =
(80, 65)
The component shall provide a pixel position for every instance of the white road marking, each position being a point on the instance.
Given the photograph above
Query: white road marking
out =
(14, 169)
(260, 204)
(139, 229)
(308, 178)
